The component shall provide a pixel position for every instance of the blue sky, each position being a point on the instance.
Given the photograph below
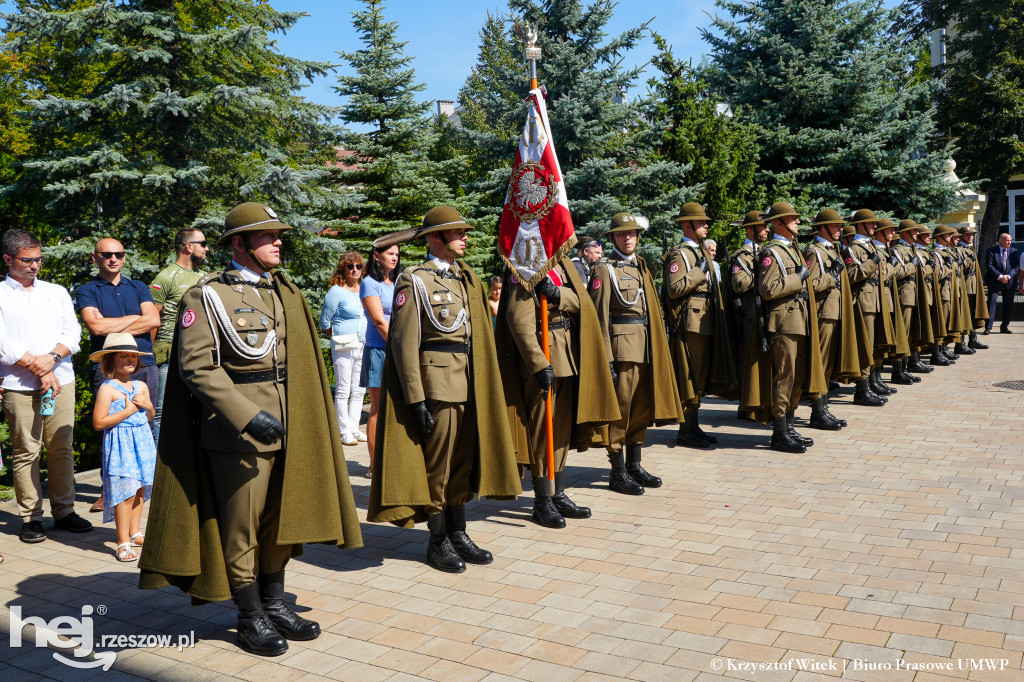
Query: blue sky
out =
(443, 37)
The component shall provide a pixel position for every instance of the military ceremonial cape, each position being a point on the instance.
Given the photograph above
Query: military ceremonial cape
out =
(183, 543)
(398, 490)
(593, 394)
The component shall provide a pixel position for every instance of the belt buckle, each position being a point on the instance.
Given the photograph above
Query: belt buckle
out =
(278, 379)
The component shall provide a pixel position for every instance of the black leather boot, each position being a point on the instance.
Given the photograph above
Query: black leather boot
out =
(905, 371)
(742, 415)
(952, 356)
(544, 511)
(287, 622)
(440, 553)
(961, 348)
(898, 376)
(637, 472)
(820, 418)
(455, 520)
(975, 343)
(619, 480)
(690, 434)
(563, 504)
(915, 364)
(781, 440)
(939, 359)
(865, 396)
(803, 440)
(877, 385)
(696, 427)
(841, 422)
(255, 631)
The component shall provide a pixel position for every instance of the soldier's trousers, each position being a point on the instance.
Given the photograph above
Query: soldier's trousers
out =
(789, 372)
(634, 405)
(247, 486)
(869, 324)
(698, 351)
(449, 454)
(908, 314)
(829, 342)
(561, 424)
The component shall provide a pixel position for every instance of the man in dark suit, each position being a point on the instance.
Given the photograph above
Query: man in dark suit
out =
(1001, 265)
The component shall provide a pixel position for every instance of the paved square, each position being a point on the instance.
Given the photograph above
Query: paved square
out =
(891, 550)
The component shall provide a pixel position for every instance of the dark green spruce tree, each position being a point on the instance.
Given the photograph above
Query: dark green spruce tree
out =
(607, 147)
(185, 109)
(846, 121)
(402, 162)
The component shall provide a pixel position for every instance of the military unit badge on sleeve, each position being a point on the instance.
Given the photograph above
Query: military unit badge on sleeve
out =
(400, 299)
(674, 268)
(188, 318)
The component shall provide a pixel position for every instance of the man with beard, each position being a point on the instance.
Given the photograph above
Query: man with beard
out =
(637, 349)
(167, 288)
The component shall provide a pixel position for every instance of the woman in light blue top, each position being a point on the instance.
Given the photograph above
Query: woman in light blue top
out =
(343, 315)
(377, 292)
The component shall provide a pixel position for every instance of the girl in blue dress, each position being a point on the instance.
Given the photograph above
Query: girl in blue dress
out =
(123, 411)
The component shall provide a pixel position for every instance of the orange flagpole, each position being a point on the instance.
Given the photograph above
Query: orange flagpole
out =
(549, 431)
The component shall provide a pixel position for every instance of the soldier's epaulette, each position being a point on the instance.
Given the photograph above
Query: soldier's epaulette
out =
(207, 278)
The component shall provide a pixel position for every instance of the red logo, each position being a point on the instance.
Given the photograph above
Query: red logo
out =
(188, 319)
(808, 263)
(400, 299)
(673, 268)
(767, 261)
(735, 269)
(596, 285)
(849, 260)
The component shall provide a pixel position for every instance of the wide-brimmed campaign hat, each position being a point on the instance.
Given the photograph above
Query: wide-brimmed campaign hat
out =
(118, 342)
(780, 209)
(623, 222)
(826, 216)
(885, 224)
(849, 230)
(907, 224)
(967, 229)
(863, 215)
(437, 219)
(923, 229)
(691, 211)
(250, 217)
(941, 230)
(753, 218)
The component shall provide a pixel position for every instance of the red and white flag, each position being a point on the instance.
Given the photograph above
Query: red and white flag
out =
(536, 229)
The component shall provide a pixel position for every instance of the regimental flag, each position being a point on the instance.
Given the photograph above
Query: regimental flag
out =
(536, 229)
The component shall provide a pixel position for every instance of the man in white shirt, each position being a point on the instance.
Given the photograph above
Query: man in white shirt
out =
(38, 335)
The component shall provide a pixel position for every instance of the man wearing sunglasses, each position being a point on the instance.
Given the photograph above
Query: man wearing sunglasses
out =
(113, 303)
(38, 335)
(167, 288)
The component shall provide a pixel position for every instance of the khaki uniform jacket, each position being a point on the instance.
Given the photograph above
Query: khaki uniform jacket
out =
(741, 281)
(924, 264)
(523, 318)
(399, 491)
(781, 289)
(432, 314)
(222, 326)
(183, 541)
(906, 273)
(687, 282)
(819, 258)
(593, 393)
(620, 289)
(864, 275)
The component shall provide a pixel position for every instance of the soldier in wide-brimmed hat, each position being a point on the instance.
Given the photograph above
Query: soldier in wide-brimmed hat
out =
(894, 273)
(246, 370)
(975, 286)
(946, 268)
(741, 291)
(910, 295)
(691, 307)
(863, 263)
(630, 320)
(792, 326)
(444, 436)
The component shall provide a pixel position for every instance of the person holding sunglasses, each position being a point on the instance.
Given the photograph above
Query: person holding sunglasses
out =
(343, 315)
(167, 288)
(111, 303)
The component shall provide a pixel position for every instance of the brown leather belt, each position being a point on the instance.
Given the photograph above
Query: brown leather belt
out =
(277, 374)
(444, 346)
(628, 319)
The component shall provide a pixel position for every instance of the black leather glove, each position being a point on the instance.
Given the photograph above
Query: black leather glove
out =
(421, 418)
(836, 269)
(949, 261)
(545, 378)
(548, 288)
(615, 373)
(703, 265)
(265, 428)
(804, 273)
(875, 258)
(893, 260)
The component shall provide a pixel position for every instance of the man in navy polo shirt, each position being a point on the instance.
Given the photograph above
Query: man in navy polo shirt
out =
(112, 303)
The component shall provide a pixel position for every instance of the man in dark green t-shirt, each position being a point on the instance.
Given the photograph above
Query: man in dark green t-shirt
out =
(167, 288)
